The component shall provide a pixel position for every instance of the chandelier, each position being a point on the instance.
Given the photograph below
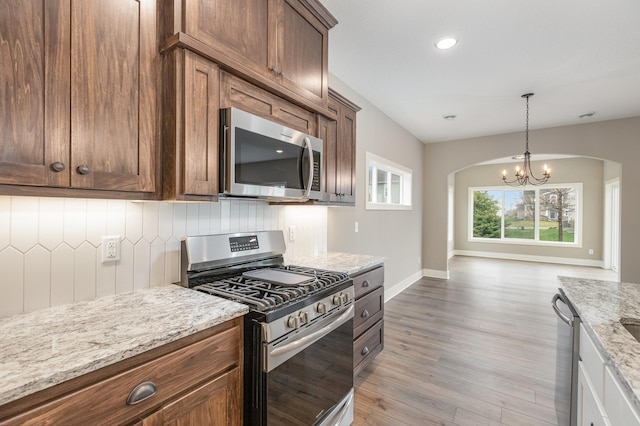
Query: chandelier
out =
(524, 175)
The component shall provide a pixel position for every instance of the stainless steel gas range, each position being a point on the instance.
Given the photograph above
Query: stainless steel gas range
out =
(298, 333)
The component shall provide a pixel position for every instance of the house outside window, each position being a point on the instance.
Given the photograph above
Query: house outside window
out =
(547, 215)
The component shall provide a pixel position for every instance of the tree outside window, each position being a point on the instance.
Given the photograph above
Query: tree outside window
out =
(557, 214)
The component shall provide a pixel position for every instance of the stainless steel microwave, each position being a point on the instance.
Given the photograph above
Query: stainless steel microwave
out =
(264, 159)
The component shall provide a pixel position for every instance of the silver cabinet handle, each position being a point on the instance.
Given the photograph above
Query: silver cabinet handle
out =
(562, 316)
(365, 351)
(142, 392)
(83, 169)
(365, 283)
(307, 144)
(365, 314)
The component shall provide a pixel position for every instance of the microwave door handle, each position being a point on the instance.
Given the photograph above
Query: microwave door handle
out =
(307, 144)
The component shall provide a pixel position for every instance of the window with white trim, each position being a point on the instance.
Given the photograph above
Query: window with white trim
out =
(546, 215)
(388, 184)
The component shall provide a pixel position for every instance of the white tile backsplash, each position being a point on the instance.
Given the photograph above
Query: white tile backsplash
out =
(50, 248)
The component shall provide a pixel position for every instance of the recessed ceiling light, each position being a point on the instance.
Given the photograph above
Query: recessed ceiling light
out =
(449, 116)
(446, 43)
(586, 114)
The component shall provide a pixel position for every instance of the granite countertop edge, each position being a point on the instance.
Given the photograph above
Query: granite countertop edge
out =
(350, 263)
(600, 305)
(44, 348)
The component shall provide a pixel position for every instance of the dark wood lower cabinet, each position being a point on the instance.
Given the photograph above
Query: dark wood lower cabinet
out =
(213, 403)
(197, 380)
(368, 322)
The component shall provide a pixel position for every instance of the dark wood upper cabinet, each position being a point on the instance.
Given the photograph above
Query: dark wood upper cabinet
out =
(339, 135)
(301, 51)
(34, 100)
(113, 96)
(79, 109)
(239, 93)
(191, 121)
(279, 45)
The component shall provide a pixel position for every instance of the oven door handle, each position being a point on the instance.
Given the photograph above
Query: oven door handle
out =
(296, 346)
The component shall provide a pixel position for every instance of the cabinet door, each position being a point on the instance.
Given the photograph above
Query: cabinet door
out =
(217, 402)
(201, 122)
(220, 23)
(302, 51)
(328, 132)
(113, 94)
(590, 411)
(34, 94)
(346, 161)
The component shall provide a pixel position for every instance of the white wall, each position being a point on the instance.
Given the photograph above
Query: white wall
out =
(395, 235)
(614, 140)
(50, 248)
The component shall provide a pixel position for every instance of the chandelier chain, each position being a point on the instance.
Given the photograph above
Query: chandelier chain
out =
(524, 176)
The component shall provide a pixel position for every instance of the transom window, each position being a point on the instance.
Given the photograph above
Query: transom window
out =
(547, 215)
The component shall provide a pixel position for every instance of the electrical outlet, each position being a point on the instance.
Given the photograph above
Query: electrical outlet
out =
(356, 227)
(292, 233)
(110, 249)
(590, 251)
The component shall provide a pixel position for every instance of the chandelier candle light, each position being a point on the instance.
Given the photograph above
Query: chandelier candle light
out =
(524, 175)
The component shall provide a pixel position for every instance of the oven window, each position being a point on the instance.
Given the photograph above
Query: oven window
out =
(261, 160)
(305, 387)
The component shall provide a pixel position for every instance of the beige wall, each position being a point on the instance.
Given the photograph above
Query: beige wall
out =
(587, 171)
(393, 234)
(615, 140)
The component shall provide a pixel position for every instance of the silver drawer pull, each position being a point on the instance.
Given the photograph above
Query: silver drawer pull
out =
(142, 392)
(365, 351)
(365, 314)
(365, 283)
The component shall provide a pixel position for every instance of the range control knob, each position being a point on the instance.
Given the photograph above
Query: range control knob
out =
(321, 308)
(304, 317)
(293, 322)
(337, 299)
(344, 297)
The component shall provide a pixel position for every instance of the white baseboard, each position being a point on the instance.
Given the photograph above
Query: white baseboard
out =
(435, 273)
(531, 258)
(390, 293)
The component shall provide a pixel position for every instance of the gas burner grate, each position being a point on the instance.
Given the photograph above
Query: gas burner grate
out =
(263, 296)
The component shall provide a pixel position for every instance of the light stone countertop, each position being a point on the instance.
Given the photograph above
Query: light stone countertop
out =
(601, 305)
(340, 262)
(44, 348)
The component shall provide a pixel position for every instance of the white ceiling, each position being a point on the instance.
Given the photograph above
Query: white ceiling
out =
(576, 55)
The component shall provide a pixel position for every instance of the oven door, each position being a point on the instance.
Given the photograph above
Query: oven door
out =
(313, 384)
(267, 160)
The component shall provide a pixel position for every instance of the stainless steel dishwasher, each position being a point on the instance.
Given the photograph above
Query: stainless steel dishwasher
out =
(567, 357)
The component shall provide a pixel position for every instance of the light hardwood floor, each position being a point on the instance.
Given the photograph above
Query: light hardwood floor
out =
(477, 349)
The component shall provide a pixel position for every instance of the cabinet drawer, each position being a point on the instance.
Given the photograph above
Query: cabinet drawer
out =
(616, 403)
(368, 281)
(105, 402)
(367, 346)
(593, 362)
(369, 310)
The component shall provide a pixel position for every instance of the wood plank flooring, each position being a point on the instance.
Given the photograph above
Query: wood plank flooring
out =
(477, 349)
